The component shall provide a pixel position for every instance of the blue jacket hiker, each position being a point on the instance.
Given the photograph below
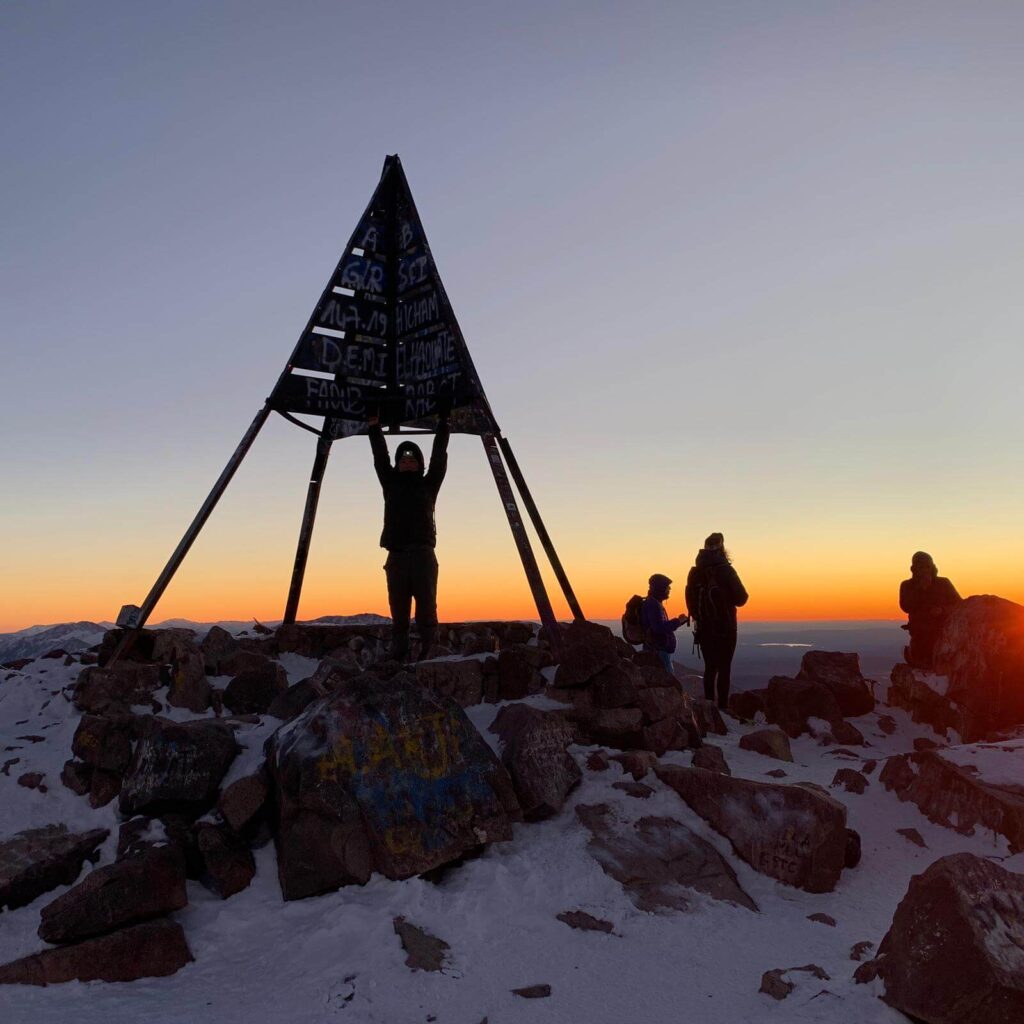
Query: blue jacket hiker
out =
(659, 629)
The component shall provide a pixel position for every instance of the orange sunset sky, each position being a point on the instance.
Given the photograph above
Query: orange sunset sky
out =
(755, 272)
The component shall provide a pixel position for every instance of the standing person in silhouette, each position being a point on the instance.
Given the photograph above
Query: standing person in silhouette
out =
(927, 598)
(410, 534)
(713, 593)
(659, 629)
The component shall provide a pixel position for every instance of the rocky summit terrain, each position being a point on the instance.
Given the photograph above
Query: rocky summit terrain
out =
(286, 826)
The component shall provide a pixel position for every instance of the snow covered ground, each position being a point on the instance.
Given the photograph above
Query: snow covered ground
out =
(336, 957)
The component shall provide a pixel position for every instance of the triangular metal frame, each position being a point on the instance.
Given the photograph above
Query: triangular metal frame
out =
(382, 337)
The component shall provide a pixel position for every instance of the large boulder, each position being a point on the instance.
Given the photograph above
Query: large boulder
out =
(659, 861)
(385, 776)
(254, 690)
(153, 949)
(955, 950)
(789, 703)
(534, 752)
(981, 652)
(178, 767)
(217, 646)
(965, 787)
(840, 673)
(39, 859)
(587, 648)
(796, 834)
(123, 893)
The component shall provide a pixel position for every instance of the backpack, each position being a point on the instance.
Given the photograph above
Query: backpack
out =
(633, 631)
(710, 614)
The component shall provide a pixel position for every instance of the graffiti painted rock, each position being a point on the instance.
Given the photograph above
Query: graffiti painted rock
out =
(955, 949)
(534, 750)
(840, 673)
(384, 776)
(123, 893)
(659, 861)
(39, 859)
(178, 767)
(796, 834)
(965, 787)
(150, 950)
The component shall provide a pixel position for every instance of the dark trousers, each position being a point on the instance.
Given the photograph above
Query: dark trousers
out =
(412, 574)
(718, 652)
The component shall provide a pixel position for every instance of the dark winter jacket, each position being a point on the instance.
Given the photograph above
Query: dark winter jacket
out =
(658, 627)
(409, 497)
(712, 569)
(927, 606)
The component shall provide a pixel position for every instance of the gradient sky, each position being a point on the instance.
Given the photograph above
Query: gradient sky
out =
(750, 267)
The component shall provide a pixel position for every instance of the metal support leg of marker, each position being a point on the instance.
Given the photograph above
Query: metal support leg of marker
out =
(542, 533)
(165, 577)
(323, 450)
(515, 521)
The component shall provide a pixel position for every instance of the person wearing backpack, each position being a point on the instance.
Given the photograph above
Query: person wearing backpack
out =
(658, 630)
(713, 593)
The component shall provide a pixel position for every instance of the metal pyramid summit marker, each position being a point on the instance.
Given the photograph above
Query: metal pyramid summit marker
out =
(383, 338)
(383, 333)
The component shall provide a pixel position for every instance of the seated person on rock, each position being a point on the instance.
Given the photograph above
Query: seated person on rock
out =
(659, 629)
(927, 598)
(410, 534)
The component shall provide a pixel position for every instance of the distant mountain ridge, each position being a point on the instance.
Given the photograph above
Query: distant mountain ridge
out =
(35, 641)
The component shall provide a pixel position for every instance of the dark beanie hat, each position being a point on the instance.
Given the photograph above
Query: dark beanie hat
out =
(409, 448)
(658, 582)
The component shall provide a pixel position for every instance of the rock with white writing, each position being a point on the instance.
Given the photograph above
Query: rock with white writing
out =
(955, 950)
(153, 949)
(965, 787)
(534, 750)
(796, 834)
(382, 776)
(39, 859)
(659, 861)
(178, 767)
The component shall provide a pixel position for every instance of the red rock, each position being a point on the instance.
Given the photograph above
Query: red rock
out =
(613, 687)
(711, 758)
(426, 952)
(634, 789)
(228, 865)
(104, 741)
(253, 691)
(597, 761)
(770, 742)
(517, 676)
(150, 950)
(534, 751)
(32, 780)
(910, 690)
(459, 678)
(115, 896)
(852, 781)
(100, 690)
(946, 791)
(848, 733)
(913, 836)
(841, 674)
(636, 762)
(796, 834)
(583, 921)
(746, 704)
(981, 652)
(659, 861)
(189, 687)
(39, 859)
(955, 950)
(790, 702)
(708, 717)
(103, 787)
(242, 801)
(820, 918)
(77, 776)
(533, 992)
